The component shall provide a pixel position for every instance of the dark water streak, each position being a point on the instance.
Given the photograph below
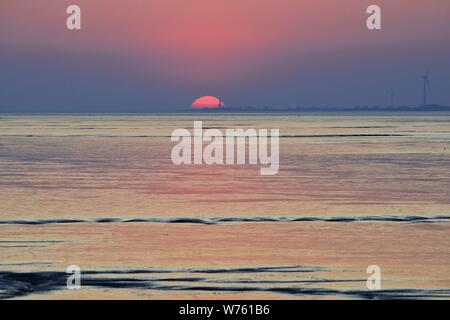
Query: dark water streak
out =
(221, 220)
(19, 284)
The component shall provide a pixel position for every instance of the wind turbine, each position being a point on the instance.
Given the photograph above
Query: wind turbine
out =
(426, 85)
(392, 98)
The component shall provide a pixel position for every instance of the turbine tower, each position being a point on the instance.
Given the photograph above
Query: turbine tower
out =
(426, 85)
(392, 98)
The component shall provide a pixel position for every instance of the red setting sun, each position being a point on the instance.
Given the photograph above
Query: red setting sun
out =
(207, 102)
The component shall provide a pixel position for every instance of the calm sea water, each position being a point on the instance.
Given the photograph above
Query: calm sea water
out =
(101, 192)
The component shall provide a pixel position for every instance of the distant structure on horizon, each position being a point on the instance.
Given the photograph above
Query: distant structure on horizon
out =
(392, 98)
(426, 86)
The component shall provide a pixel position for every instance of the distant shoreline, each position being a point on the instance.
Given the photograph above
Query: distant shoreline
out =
(375, 109)
(256, 110)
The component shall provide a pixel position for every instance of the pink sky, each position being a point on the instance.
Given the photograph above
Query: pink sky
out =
(222, 44)
(227, 34)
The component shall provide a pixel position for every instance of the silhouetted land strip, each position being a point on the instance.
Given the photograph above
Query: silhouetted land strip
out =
(371, 109)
